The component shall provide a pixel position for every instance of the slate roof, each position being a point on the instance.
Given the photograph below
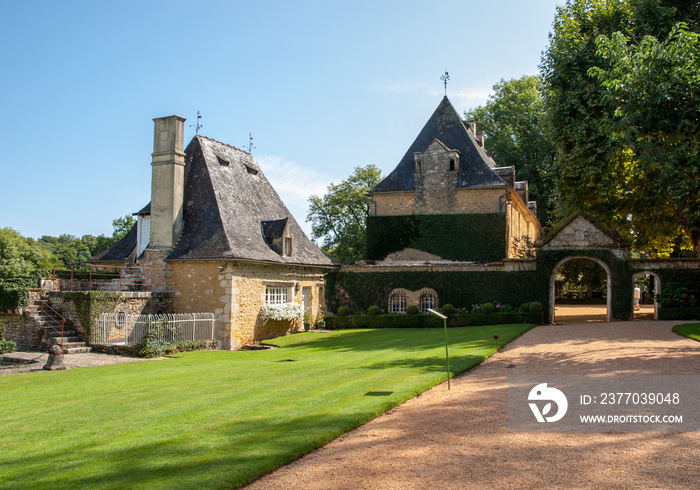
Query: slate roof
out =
(475, 168)
(227, 199)
(120, 250)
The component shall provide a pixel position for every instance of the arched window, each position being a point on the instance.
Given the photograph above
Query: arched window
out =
(428, 299)
(397, 302)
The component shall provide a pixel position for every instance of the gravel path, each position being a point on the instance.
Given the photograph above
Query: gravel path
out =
(459, 438)
(37, 360)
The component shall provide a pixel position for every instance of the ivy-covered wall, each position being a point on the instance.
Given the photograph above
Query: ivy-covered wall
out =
(360, 290)
(458, 237)
(461, 289)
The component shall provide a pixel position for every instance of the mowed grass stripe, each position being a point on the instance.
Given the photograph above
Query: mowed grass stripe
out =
(218, 419)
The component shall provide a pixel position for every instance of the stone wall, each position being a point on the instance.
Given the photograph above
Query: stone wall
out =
(235, 292)
(394, 204)
(23, 325)
(436, 180)
(523, 227)
(131, 303)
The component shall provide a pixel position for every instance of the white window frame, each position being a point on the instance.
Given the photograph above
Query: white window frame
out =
(428, 299)
(397, 302)
(287, 246)
(275, 295)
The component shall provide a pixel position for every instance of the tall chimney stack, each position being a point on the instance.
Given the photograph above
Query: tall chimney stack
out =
(167, 181)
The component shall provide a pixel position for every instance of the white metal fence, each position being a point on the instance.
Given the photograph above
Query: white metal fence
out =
(123, 329)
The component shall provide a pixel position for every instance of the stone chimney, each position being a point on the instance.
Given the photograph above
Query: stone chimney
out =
(472, 125)
(167, 181)
(480, 139)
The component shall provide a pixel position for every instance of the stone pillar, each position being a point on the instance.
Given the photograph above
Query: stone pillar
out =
(55, 360)
(167, 181)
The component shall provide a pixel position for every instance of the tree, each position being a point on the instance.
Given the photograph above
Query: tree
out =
(339, 217)
(594, 170)
(512, 121)
(21, 256)
(122, 226)
(654, 88)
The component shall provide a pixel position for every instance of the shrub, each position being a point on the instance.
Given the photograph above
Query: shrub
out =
(676, 295)
(524, 308)
(7, 346)
(448, 309)
(536, 307)
(412, 310)
(374, 310)
(343, 311)
(488, 308)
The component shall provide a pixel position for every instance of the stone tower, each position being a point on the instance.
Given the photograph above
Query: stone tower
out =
(168, 181)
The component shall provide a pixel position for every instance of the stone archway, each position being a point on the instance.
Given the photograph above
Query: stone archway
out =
(552, 291)
(657, 288)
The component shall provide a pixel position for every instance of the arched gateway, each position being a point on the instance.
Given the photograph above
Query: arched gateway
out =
(579, 238)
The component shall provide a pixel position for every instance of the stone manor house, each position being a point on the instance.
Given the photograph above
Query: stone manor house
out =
(223, 236)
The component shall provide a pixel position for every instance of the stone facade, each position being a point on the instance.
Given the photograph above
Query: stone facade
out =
(435, 180)
(394, 203)
(580, 233)
(235, 293)
(523, 228)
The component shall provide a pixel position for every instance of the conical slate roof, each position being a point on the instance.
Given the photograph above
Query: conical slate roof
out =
(476, 166)
(228, 205)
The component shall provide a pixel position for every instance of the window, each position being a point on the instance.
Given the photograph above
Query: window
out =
(287, 251)
(143, 232)
(452, 165)
(250, 170)
(223, 162)
(418, 167)
(397, 302)
(428, 299)
(276, 296)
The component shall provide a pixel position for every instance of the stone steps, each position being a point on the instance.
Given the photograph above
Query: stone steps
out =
(57, 330)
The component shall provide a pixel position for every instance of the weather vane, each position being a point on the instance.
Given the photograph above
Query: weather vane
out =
(251, 147)
(197, 126)
(444, 79)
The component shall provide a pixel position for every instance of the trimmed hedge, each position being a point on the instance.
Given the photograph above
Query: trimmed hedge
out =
(430, 321)
(459, 237)
(679, 313)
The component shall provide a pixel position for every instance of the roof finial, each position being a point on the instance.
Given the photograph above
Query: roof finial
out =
(197, 126)
(251, 147)
(444, 79)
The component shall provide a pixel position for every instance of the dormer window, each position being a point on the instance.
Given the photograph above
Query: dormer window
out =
(222, 162)
(452, 164)
(250, 170)
(287, 247)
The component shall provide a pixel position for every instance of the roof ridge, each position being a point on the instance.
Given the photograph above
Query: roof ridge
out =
(222, 143)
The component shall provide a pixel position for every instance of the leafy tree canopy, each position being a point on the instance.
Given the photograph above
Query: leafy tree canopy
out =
(339, 217)
(654, 88)
(21, 256)
(594, 169)
(512, 122)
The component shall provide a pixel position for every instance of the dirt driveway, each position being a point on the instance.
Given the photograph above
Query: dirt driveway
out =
(459, 438)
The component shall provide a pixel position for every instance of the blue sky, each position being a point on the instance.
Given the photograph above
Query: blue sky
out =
(323, 86)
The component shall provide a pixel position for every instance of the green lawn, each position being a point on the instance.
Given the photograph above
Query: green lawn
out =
(218, 419)
(690, 330)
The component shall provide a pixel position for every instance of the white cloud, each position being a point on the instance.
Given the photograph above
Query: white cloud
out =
(294, 184)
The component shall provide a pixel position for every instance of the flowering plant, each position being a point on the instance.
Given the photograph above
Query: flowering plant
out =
(283, 311)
